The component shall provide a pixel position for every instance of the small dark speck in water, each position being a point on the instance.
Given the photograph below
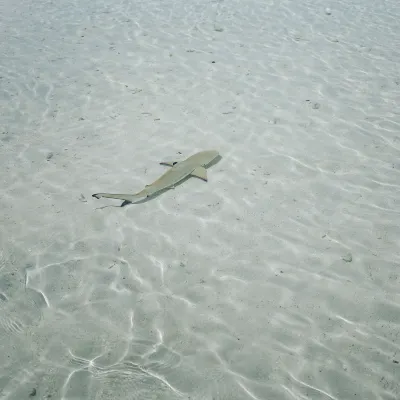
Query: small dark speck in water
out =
(396, 362)
(33, 393)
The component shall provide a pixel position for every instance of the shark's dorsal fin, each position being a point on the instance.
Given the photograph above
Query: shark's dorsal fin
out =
(169, 163)
(200, 172)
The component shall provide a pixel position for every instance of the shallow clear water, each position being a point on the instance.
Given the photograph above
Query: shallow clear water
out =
(278, 278)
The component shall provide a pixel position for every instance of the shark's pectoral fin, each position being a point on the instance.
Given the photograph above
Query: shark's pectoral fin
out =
(169, 163)
(200, 172)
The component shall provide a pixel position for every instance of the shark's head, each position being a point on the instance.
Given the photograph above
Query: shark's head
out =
(206, 157)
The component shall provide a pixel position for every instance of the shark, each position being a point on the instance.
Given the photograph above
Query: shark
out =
(195, 165)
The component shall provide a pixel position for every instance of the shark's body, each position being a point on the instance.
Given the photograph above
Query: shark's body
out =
(195, 165)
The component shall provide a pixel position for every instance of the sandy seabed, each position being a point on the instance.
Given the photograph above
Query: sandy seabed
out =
(279, 278)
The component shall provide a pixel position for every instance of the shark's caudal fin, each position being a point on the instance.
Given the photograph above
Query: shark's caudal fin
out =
(169, 163)
(120, 196)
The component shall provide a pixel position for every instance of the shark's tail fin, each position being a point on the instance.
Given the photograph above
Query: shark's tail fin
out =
(120, 196)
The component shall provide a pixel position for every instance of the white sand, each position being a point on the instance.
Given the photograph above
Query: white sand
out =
(232, 289)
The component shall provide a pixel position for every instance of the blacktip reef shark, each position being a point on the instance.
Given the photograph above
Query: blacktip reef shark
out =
(195, 166)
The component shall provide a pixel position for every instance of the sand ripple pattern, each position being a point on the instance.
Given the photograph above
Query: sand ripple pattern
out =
(277, 279)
